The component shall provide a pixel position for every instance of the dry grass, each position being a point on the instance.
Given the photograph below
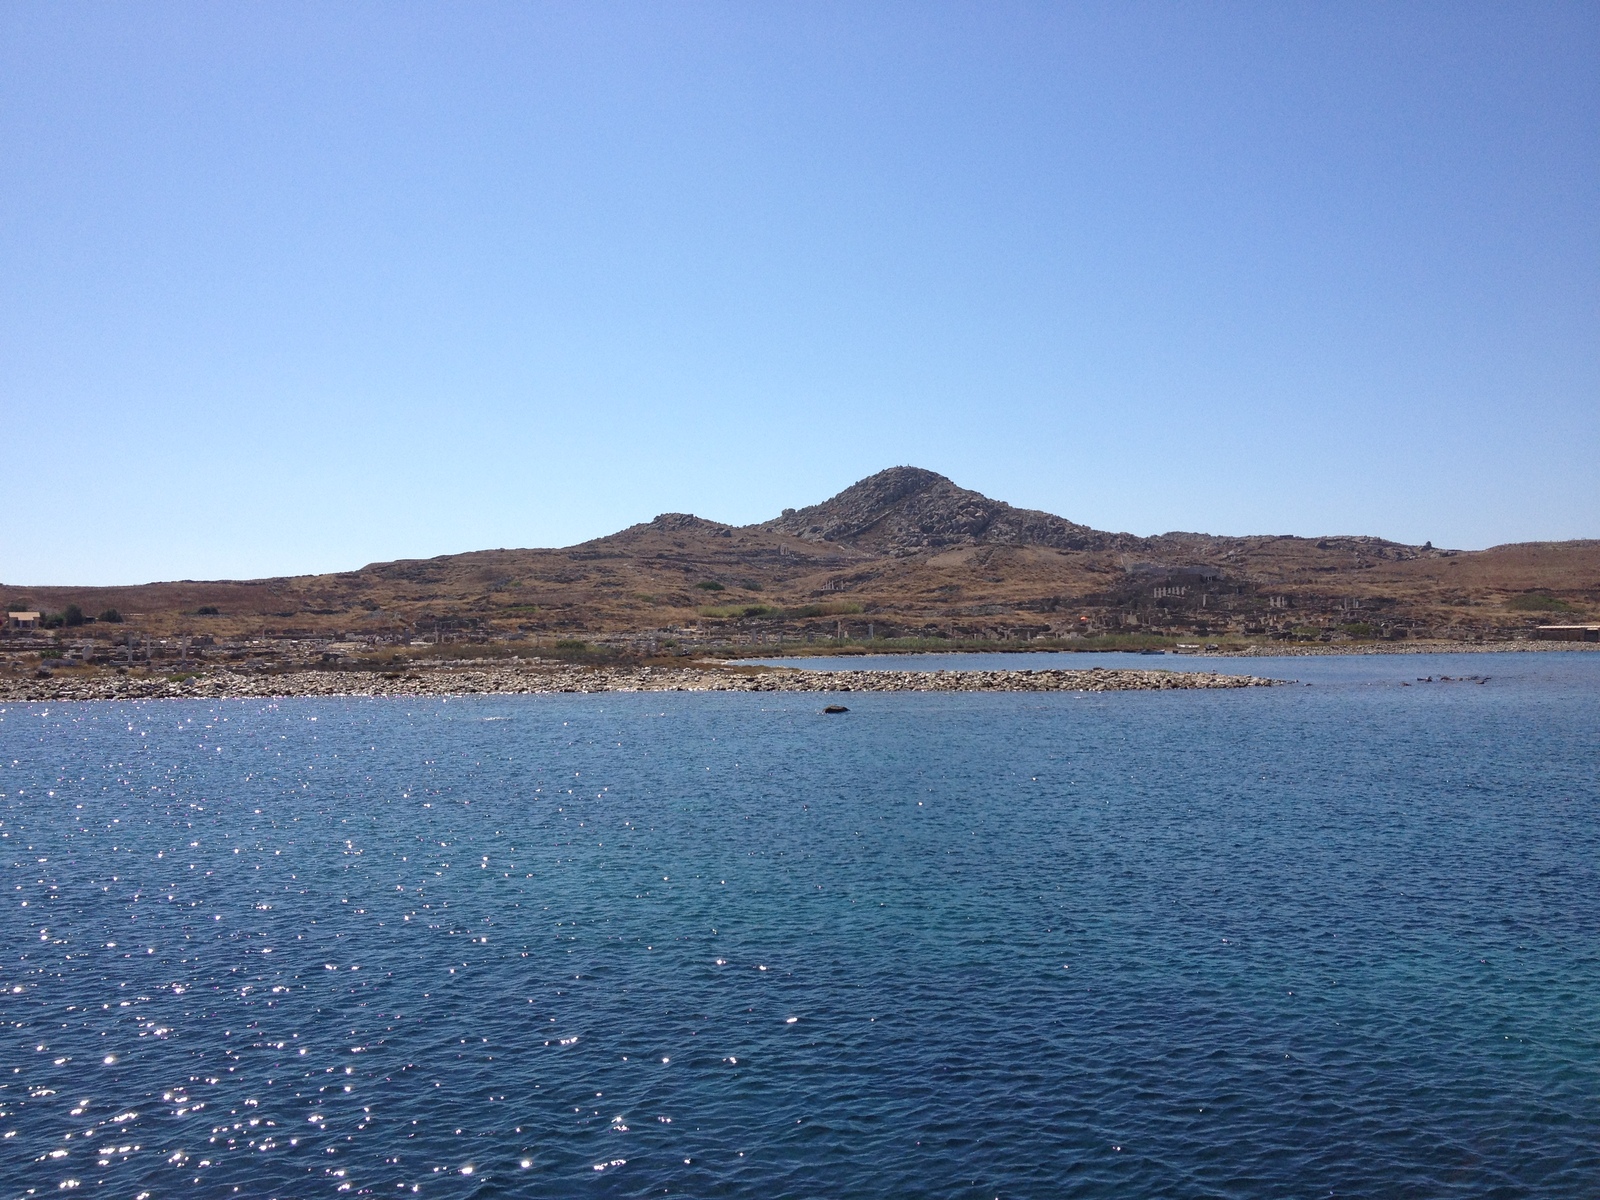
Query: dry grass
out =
(645, 579)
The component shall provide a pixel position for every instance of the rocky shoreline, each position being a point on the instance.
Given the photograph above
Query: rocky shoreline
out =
(1303, 651)
(1254, 650)
(532, 679)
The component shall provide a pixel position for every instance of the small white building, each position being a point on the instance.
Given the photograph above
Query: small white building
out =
(23, 620)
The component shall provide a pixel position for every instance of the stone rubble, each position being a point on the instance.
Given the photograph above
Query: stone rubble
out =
(527, 679)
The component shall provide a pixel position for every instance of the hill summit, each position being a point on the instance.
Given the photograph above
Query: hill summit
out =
(904, 510)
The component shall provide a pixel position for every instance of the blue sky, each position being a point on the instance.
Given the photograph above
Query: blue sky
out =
(295, 287)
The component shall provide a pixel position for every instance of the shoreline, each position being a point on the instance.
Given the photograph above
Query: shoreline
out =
(1531, 647)
(536, 679)
(1254, 650)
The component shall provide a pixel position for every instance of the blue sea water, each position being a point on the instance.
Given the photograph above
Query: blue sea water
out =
(1339, 939)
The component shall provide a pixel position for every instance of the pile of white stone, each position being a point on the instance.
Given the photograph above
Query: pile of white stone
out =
(531, 679)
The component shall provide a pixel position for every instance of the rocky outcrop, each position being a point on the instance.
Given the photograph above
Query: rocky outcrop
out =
(905, 510)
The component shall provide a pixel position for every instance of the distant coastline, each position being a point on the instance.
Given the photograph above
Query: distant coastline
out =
(1250, 650)
(439, 676)
(900, 562)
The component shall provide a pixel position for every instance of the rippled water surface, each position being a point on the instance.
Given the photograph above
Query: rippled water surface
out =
(1332, 939)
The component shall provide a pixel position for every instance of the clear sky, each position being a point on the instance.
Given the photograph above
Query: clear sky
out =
(295, 287)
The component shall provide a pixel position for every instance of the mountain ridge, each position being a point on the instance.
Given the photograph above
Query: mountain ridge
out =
(906, 550)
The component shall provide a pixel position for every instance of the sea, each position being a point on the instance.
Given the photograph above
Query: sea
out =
(1337, 938)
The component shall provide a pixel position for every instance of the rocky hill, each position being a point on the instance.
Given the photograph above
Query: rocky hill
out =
(906, 510)
(904, 553)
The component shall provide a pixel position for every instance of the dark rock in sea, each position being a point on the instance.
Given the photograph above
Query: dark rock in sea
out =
(835, 708)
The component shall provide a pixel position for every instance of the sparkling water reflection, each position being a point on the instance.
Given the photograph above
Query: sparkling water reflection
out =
(1338, 938)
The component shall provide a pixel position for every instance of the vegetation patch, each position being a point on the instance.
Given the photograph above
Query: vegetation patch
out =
(1538, 602)
(945, 643)
(71, 616)
(833, 608)
(742, 610)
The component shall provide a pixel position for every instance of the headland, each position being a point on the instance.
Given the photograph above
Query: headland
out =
(902, 561)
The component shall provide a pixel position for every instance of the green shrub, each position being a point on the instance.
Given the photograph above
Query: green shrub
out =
(208, 610)
(837, 608)
(1538, 602)
(742, 610)
(111, 617)
(834, 608)
(709, 585)
(571, 644)
(72, 615)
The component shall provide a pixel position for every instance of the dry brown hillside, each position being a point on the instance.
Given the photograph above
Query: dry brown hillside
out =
(903, 554)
